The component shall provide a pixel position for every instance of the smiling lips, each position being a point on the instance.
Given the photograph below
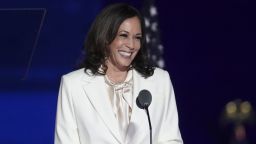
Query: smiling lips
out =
(125, 54)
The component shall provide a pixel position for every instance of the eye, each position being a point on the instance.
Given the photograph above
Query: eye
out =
(123, 35)
(138, 37)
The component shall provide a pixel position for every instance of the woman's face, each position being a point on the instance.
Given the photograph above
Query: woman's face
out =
(126, 44)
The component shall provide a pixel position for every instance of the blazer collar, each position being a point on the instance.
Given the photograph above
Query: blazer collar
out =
(97, 93)
(138, 127)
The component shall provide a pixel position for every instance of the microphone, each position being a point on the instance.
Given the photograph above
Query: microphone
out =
(143, 101)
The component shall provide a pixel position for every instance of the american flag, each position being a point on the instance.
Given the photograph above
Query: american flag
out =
(153, 40)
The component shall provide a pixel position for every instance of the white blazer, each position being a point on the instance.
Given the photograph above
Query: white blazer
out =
(85, 115)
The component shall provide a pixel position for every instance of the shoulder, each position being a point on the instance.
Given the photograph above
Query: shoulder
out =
(159, 74)
(159, 71)
(77, 76)
(80, 75)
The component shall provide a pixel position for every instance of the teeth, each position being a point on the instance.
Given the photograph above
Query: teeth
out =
(127, 54)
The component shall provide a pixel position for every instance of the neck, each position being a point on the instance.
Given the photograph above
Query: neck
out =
(116, 75)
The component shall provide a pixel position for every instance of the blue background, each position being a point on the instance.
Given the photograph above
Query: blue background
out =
(208, 50)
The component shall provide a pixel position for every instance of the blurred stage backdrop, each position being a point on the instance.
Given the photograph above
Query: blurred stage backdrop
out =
(207, 47)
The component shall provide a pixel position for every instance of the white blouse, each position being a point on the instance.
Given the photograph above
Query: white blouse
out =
(120, 96)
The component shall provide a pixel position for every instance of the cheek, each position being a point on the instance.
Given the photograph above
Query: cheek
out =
(118, 45)
(138, 45)
(112, 48)
(136, 53)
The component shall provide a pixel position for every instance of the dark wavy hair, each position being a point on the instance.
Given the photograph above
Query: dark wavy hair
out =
(103, 31)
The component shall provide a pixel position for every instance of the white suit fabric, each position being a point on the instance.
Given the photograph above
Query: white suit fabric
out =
(85, 115)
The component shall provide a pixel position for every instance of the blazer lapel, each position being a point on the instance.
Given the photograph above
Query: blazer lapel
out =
(138, 127)
(97, 93)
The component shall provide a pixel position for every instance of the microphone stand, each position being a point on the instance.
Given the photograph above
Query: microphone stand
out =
(143, 101)
(149, 122)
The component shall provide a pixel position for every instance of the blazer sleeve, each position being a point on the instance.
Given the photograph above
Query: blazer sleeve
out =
(169, 132)
(66, 127)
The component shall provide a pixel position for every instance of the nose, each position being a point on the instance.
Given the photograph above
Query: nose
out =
(131, 43)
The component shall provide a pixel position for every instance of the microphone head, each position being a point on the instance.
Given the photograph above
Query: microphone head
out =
(144, 99)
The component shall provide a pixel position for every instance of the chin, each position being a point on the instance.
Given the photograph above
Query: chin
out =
(124, 65)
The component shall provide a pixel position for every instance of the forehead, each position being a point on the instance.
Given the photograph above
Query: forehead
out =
(131, 24)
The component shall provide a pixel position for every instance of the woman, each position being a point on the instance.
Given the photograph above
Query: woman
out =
(97, 104)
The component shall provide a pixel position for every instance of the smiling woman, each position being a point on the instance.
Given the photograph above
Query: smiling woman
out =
(116, 23)
(97, 103)
(124, 48)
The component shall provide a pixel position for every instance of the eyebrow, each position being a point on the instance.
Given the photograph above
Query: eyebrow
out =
(128, 32)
